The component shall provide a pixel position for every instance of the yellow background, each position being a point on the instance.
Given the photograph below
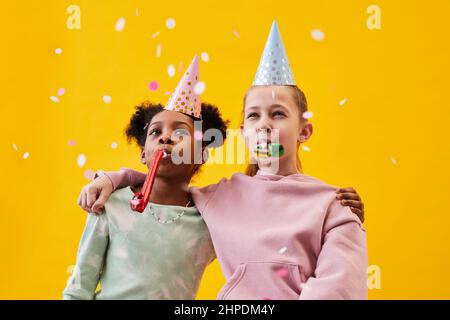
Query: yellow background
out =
(395, 80)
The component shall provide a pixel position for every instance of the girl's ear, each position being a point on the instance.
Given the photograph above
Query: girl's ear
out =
(305, 133)
(142, 156)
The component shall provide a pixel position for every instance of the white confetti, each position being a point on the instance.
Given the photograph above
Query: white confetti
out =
(26, 155)
(205, 56)
(120, 24)
(155, 34)
(282, 250)
(308, 115)
(305, 148)
(58, 50)
(199, 87)
(317, 34)
(171, 70)
(81, 160)
(158, 50)
(106, 99)
(170, 23)
(342, 102)
(15, 147)
(114, 145)
(394, 161)
(137, 12)
(54, 99)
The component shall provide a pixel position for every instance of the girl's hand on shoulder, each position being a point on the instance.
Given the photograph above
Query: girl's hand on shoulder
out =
(94, 195)
(350, 198)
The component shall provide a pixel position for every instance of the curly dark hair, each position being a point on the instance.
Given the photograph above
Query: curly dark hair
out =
(136, 131)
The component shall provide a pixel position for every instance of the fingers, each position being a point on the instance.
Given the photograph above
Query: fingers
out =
(346, 190)
(83, 200)
(348, 196)
(91, 197)
(359, 213)
(353, 203)
(100, 203)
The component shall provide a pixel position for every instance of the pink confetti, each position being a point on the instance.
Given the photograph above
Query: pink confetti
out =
(153, 86)
(61, 91)
(72, 143)
(167, 93)
(198, 135)
(282, 272)
(236, 34)
(26, 155)
(89, 174)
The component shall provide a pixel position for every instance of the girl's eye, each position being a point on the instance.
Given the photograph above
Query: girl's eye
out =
(154, 132)
(181, 132)
(278, 114)
(252, 115)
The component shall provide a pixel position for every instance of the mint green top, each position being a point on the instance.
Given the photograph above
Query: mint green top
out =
(133, 256)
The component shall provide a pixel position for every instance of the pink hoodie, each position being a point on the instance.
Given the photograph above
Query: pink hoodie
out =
(280, 237)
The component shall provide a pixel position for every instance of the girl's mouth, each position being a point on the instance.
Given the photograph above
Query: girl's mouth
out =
(264, 149)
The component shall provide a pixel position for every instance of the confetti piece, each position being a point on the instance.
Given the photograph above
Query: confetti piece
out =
(81, 160)
(137, 12)
(342, 102)
(394, 161)
(282, 250)
(58, 50)
(236, 34)
(199, 87)
(26, 155)
(120, 24)
(158, 50)
(72, 143)
(114, 145)
(171, 70)
(180, 66)
(61, 91)
(70, 269)
(54, 99)
(273, 94)
(308, 115)
(15, 147)
(305, 148)
(153, 86)
(89, 174)
(198, 135)
(155, 34)
(282, 272)
(106, 99)
(205, 56)
(317, 34)
(170, 23)
(167, 93)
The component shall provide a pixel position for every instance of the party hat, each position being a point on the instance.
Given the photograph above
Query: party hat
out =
(184, 99)
(274, 68)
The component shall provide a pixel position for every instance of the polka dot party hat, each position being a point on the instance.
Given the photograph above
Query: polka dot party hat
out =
(186, 98)
(274, 67)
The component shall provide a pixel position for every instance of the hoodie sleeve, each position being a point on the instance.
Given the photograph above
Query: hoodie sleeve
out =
(124, 178)
(202, 196)
(90, 258)
(341, 269)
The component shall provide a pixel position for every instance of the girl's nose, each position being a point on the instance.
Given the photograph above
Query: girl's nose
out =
(165, 139)
(264, 126)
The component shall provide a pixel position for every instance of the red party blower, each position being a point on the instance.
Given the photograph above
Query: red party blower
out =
(140, 199)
